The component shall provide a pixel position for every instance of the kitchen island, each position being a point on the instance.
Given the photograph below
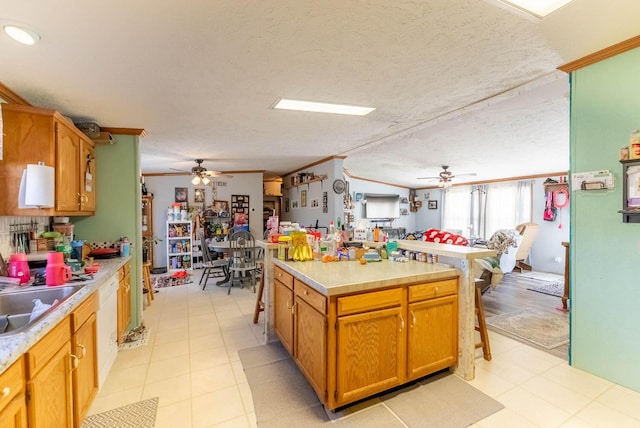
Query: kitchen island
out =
(356, 330)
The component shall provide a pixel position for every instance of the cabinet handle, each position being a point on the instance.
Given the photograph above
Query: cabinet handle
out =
(289, 304)
(436, 290)
(6, 391)
(293, 309)
(83, 351)
(306, 293)
(74, 362)
(413, 319)
(401, 323)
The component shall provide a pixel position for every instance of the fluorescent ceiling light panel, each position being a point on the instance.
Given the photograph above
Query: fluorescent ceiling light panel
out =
(285, 104)
(538, 8)
(21, 35)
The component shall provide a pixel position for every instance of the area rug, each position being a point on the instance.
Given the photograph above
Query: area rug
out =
(136, 415)
(542, 276)
(283, 398)
(135, 338)
(168, 281)
(550, 288)
(545, 329)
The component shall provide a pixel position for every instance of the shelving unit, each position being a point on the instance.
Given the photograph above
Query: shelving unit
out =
(312, 180)
(147, 224)
(179, 245)
(630, 214)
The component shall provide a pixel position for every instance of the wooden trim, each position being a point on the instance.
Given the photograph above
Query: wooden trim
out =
(170, 174)
(314, 164)
(11, 97)
(125, 131)
(601, 55)
(374, 181)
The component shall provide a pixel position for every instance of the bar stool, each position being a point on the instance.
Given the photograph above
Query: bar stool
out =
(259, 303)
(146, 282)
(482, 324)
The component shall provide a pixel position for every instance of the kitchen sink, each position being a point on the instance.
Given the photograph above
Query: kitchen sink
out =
(16, 307)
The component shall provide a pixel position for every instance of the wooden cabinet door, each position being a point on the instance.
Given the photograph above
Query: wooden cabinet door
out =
(87, 177)
(85, 376)
(50, 402)
(370, 353)
(282, 314)
(14, 414)
(311, 345)
(67, 168)
(433, 336)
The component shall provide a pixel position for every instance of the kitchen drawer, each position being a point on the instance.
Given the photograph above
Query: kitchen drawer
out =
(369, 301)
(84, 311)
(40, 353)
(285, 278)
(311, 296)
(11, 382)
(433, 289)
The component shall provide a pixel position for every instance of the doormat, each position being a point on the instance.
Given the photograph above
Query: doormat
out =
(135, 338)
(168, 281)
(542, 276)
(283, 398)
(550, 288)
(136, 415)
(545, 329)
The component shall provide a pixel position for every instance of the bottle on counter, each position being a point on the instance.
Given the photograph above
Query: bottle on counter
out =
(332, 229)
(376, 234)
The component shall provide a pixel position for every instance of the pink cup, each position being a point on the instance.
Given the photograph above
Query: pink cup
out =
(58, 273)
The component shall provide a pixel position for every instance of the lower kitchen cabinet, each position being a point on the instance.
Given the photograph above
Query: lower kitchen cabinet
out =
(84, 347)
(352, 346)
(49, 387)
(124, 300)
(13, 407)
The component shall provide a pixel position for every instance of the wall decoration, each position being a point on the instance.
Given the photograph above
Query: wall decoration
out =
(404, 211)
(325, 202)
(315, 203)
(359, 196)
(221, 208)
(182, 194)
(433, 205)
(303, 198)
(286, 205)
(294, 204)
(198, 195)
(240, 205)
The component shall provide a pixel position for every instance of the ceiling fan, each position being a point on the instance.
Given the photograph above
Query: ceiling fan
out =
(445, 176)
(201, 174)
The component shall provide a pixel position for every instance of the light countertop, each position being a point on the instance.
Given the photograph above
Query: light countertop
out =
(335, 278)
(13, 347)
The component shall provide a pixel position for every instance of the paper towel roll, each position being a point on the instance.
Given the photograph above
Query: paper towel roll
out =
(37, 187)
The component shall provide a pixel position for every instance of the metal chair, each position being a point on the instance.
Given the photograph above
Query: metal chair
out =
(243, 258)
(212, 268)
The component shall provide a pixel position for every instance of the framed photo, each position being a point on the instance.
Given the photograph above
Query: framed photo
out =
(221, 208)
(303, 198)
(432, 205)
(198, 195)
(358, 197)
(182, 194)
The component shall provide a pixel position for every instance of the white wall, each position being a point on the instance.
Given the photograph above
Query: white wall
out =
(163, 190)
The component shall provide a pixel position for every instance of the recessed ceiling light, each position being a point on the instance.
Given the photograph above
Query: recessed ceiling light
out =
(285, 104)
(21, 34)
(538, 8)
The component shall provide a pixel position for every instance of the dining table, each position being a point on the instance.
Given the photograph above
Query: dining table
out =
(224, 247)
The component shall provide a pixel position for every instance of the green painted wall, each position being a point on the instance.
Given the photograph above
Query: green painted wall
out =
(118, 208)
(605, 291)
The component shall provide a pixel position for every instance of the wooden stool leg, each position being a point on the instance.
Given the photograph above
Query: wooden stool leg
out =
(482, 326)
(146, 281)
(259, 303)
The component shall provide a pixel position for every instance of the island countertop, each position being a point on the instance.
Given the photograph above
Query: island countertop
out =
(336, 278)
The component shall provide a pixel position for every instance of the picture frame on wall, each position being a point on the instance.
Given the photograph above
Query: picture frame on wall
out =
(432, 205)
(181, 194)
(303, 198)
(198, 195)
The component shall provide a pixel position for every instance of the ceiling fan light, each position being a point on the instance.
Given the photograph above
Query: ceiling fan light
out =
(195, 181)
(205, 180)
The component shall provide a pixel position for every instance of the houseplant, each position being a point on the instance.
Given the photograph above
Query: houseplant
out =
(147, 243)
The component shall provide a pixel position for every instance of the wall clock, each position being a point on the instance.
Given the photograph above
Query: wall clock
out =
(338, 186)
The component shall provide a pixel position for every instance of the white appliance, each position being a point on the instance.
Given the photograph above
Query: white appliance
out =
(107, 327)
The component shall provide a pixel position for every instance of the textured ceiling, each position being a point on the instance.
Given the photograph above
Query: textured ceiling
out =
(464, 83)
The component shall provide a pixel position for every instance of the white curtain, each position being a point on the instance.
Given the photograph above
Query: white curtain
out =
(507, 205)
(456, 209)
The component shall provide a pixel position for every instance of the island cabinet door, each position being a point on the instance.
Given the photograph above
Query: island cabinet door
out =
(311, 345)
(370, 353)
(283, 314)
(433, 336)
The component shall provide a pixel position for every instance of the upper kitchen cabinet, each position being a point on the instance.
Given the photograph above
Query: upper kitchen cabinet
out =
(33, 135)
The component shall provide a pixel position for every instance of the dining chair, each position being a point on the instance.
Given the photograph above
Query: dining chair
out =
(243, 258)
(212, 268)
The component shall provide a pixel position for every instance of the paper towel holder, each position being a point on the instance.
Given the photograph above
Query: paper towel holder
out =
(37, 187)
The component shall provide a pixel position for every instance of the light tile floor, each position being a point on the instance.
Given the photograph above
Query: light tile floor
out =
(191, 363)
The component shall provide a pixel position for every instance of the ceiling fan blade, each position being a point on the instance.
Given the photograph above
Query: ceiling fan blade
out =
(428, 178)
(469, 174)
(179, 170)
